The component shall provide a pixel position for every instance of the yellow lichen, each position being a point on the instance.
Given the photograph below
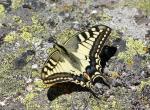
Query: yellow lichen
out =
(26, 36)
(36, 26)
(10, 38)
(29, 97)
(30, 33)
(17, 3)
(134, 47)
(114, 74)
(2, 11)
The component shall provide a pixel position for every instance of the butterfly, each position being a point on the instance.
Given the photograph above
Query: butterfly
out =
(78, 59)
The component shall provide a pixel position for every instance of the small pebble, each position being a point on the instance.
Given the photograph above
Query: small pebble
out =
(94, 12)
(34, 66)
(29, 88)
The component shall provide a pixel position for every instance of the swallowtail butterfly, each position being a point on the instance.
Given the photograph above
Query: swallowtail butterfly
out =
(78, 60)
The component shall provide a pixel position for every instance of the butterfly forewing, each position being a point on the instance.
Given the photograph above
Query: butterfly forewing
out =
(69, 62)
(57, 69)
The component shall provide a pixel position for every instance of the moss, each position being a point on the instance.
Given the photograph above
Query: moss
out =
(2, 11)
(17, 3)
(134, 47)
(10, 38)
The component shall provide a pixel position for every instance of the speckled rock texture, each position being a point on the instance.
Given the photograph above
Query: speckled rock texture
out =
(27, 30)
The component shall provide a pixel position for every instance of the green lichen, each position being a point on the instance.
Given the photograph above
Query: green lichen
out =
(32, 33)
(105, 105)
(8, 84)
(144, 98)
(105, 17)
(62, 105)
(2, 11)
(17, 19)
(11, 80)
(35, 73)
(27, 33)
(134, 47)
(29, 103)
(6, 63)
(114, 35)
(17, 3)
(37, 26)
(40, 84)
(144, 5)
(143, 83)
(29, 97)
(63, 37)
(29, 58)
(140, 4)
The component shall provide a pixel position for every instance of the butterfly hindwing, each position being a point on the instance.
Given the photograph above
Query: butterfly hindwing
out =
(68, 62)
(87, 45)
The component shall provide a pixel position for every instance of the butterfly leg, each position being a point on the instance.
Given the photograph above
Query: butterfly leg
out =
(98, 84)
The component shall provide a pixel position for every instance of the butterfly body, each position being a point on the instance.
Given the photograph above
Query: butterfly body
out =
(78, 59)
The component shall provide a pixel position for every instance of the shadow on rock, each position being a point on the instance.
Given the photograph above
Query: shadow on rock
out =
(64, 88)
